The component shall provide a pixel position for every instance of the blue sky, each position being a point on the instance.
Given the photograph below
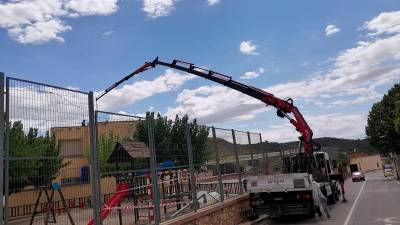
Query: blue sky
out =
(334, 58)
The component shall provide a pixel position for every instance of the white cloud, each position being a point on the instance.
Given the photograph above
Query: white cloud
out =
(362, 95)
(39, 32)
(331, 29)
(252, 74)
(123, 116)
(131, 93)
(210, 104)
(39, 21)
(92, 7)
(345, 126)
(107, 33)
(158, 8)
(384, 23)
(364, 67)
(248, 48)
(354, 78)
(213, 2)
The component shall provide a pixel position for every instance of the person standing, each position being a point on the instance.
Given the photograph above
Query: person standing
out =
(320, 200)
(342, 171)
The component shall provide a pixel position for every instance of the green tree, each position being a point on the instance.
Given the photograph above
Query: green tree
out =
(170, 139)
(106, 145)
(43, 160)
(397, 115)
(343, 159)
(381, 130)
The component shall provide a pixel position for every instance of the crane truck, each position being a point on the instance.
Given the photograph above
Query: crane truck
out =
(292, 192)
(295, 191)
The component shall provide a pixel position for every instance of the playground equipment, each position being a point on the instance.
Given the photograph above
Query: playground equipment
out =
(121, 193)
(134, 186)
(50, 204)
(171, 184)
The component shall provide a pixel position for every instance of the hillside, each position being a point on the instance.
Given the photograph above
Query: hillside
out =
(328, 144)
(334, 145)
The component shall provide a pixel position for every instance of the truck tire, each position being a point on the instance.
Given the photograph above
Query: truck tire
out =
(254, 216)
(331, 199)
(311, 214)
(337, 195)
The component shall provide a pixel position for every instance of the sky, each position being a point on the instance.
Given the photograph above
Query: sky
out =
(333, 58)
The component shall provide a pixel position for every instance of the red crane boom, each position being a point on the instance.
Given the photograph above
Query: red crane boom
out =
(284, 107)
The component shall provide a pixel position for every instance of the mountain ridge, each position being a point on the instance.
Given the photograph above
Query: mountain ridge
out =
(330, 145)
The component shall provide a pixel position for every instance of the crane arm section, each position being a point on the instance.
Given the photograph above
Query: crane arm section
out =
(284, 107)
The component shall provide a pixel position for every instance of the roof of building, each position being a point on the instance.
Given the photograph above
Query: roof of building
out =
(125, 152)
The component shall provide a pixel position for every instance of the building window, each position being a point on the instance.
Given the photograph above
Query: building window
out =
(71, 148)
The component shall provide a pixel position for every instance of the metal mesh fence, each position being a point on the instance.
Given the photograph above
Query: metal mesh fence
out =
(259, 158)
(230, 171)
(245, 152)
(61, 161)
(124, 168)
(127, 186)
(47, 173)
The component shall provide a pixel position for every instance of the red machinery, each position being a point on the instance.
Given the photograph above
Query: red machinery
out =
(284, 107)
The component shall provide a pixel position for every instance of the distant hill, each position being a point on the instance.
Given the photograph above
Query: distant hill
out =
(332, 145)
(328, 144)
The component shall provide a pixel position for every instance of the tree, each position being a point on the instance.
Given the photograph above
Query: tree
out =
(43, 160)
(106, 145)
(397, 119)
(344, 160)
(170, 139)
(381, 129)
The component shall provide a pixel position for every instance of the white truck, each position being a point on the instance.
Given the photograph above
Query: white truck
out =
(293, 193)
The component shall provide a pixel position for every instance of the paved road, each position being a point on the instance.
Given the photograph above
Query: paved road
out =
(373, 202)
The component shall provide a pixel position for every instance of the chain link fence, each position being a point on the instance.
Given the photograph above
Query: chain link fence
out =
(67, 163)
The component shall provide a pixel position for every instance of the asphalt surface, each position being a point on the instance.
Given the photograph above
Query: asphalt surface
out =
(373, 202)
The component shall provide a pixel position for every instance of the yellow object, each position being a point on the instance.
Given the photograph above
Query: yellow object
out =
(388, 173)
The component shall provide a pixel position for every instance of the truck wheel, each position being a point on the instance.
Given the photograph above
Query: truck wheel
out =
(331, 199)
(337, 195)
(253, 216)
(311, 214)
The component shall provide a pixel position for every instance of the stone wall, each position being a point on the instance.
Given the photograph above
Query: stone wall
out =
(228, 212)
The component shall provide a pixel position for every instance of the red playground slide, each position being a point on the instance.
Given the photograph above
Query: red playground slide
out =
(121, 193)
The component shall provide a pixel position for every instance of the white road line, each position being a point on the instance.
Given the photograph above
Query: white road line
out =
(396, 181)
(346, 222)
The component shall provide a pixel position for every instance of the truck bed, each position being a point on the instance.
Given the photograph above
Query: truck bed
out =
(279, 182)
(282, 194)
